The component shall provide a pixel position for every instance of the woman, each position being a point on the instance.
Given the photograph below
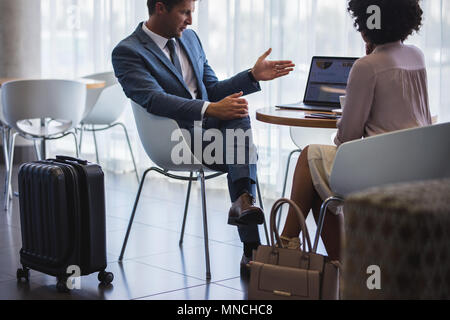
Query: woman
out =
(386, 91)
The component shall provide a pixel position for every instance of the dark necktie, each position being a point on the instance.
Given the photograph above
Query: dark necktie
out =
(174, 56)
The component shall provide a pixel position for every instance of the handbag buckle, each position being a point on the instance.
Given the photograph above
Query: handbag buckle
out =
(282, 293)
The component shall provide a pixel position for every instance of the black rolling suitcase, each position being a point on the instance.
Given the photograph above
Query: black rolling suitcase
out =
(62, 215)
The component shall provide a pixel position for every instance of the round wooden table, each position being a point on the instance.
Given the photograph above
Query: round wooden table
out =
(293, 118)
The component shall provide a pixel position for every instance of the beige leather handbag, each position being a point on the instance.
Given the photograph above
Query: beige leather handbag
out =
(279, 273)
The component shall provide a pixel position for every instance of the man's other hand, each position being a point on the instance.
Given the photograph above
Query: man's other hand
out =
(265, 70)
(230, 108)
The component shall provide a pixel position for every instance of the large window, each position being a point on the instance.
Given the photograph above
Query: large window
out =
(79, 35)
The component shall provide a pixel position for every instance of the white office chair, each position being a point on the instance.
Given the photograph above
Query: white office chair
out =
(156, 134)
(41, 110)
(402, 156)
(104, 107)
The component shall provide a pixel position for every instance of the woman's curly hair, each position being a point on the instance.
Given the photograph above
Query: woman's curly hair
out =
(399, 19)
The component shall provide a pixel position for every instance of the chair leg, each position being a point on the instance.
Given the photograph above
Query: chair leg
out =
(323, 211)
(7, 143)
(37, 151)
(125, 241)
(262, 208)
(77, 150)
(95, 143)
(5, 138)
(186, 206)
(81, 137)
(286, 174)
(131, 150)
(43, 151)
(205, 224)
(9, 179)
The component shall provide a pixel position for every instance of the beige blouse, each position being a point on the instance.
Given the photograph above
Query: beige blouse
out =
(386, 91)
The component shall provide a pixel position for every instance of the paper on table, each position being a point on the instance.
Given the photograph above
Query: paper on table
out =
(319, 115)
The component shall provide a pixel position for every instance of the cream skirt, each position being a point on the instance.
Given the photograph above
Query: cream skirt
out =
(320, 160)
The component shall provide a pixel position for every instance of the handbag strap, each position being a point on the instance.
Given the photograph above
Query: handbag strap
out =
(274, 230)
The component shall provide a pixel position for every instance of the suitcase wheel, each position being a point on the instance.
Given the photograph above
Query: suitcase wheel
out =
(61, 285)
(105, 278)
(23, 274)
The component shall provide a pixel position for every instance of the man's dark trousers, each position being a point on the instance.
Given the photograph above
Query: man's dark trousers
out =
(241, 177)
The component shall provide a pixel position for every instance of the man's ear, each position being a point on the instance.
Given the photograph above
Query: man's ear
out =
(160, 8)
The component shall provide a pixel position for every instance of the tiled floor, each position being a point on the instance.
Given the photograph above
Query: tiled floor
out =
(154, 266)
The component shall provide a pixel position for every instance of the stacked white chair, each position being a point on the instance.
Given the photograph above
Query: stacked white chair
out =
(104, 106)
(41, 110)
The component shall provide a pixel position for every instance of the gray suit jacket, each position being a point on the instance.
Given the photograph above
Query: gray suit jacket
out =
(150, 79)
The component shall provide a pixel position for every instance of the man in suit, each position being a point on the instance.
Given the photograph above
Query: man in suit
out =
(163, 68)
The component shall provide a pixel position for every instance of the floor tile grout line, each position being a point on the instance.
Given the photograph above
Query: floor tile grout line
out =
(174, 251)
(170, 291)
(195, 185)
(145, 196)
(171, 271)
(229, 287)
(215, 213)
(217, 282)
(173, 231)
(139, 261)
(156, 253)
(173, 220)
(185, 275)
(127, 219)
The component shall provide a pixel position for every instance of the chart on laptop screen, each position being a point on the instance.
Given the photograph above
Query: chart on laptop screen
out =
(328, 79)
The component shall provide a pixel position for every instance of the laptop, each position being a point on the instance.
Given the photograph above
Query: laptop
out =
(327, 81)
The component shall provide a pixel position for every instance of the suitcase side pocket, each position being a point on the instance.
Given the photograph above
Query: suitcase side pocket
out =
(92, 201)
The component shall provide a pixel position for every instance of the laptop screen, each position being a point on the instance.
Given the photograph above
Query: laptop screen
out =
(327, 79)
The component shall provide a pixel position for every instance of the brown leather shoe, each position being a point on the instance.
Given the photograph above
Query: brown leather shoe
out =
(243, 212)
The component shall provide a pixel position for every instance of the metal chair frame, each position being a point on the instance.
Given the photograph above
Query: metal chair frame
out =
(202, 178)
(93, 129)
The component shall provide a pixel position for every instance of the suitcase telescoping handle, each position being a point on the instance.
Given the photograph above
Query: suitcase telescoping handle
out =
(66, 158)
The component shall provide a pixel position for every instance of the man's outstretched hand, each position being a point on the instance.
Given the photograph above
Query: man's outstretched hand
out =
(265, 70)
(234, 106)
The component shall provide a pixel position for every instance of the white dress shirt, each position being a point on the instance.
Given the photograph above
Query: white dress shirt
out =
(186, 68)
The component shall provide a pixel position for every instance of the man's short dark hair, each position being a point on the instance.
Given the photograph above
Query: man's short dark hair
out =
(151, 4)
(399, 19)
